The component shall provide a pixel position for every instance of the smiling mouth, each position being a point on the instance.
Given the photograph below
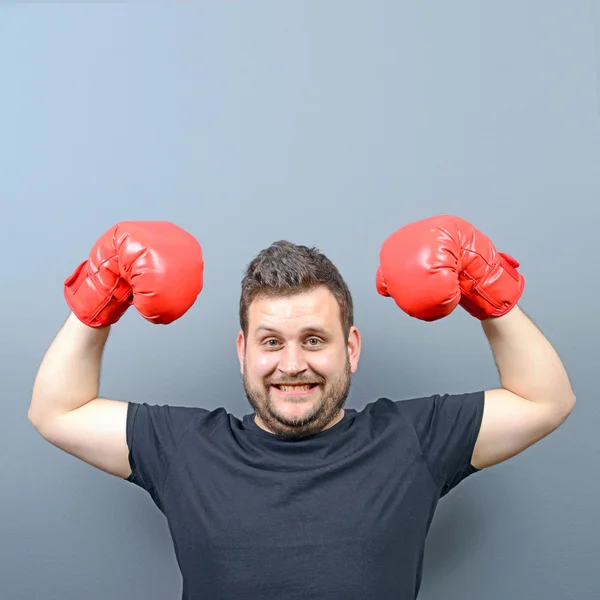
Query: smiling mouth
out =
(296, 388)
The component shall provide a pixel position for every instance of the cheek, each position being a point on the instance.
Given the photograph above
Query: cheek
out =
(262, 364)
(327, 364)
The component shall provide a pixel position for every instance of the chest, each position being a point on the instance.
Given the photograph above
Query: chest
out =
(361, 521)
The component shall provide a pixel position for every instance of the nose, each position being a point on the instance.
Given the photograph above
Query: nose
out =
(292, 360)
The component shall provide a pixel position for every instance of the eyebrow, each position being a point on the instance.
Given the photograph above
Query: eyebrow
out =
(269, 329)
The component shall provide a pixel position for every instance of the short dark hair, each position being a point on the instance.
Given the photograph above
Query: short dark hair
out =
(284, 269)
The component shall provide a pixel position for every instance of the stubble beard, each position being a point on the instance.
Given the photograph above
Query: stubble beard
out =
(334, 397)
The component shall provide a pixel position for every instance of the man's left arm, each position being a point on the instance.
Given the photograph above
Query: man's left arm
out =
(536, 395)
(430, 267)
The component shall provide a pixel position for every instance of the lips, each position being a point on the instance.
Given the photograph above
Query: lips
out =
(300, 387)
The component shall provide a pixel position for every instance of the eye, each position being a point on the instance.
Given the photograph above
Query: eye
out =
(315, 340)
(268, 342)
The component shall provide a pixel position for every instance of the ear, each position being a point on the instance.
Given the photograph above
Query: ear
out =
(354, 343)
(241, 350)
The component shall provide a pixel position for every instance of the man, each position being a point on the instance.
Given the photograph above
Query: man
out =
(303, 498)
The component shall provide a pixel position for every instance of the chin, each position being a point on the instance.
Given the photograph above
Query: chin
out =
(294, 413)
(301, 418)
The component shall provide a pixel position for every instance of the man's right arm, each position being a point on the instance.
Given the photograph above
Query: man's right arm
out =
(155, 266)
(65, 408)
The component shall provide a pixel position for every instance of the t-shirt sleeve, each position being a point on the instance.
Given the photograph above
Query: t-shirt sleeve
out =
(154, 434)
(447, 427)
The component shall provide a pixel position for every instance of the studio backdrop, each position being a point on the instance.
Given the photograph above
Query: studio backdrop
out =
(324, 123)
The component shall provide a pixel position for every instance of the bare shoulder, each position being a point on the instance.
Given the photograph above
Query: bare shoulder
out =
(95, 433)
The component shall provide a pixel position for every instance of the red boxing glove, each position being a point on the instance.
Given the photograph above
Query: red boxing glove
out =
(154, 265)
(431, 266)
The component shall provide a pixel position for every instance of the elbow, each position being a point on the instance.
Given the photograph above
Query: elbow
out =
(34, 416)
(39, 424)
(567, 406)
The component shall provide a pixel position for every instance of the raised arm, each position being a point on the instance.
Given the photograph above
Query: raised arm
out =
(535, 396)
(154, 265)
(432, 266)
(65, 408)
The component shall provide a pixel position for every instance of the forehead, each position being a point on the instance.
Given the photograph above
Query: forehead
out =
(317, 307)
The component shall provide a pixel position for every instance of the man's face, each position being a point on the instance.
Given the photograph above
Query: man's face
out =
(296, 362)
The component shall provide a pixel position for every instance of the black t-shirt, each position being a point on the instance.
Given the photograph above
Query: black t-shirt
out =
(341, 515)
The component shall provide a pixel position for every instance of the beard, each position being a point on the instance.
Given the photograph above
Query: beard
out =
(334, 394)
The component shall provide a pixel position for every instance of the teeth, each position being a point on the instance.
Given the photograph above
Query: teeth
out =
(290, 388)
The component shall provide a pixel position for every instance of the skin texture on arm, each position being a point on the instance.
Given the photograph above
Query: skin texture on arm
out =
(65, 408)
(69, 374)
(535, 397)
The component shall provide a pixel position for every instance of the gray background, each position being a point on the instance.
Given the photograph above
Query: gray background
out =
(324, 122)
